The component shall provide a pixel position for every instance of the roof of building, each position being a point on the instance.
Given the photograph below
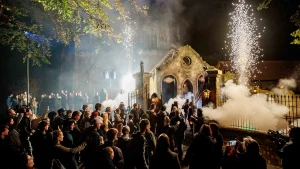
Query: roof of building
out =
(171, 55)
(270, 70)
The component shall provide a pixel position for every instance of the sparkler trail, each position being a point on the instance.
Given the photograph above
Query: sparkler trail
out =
(243, 47)
(128, 42)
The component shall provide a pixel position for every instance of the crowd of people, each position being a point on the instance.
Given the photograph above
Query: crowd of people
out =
(64, 99)
(135, 139)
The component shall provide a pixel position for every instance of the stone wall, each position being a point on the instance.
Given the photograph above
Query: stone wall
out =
(176, 67)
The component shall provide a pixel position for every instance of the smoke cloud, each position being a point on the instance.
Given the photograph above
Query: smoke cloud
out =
(255, 109)
(284, 85)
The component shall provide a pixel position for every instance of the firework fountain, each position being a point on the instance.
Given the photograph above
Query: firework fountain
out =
(252, 110)
(243, 48)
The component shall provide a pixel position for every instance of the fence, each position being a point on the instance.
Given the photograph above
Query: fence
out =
(292, 117)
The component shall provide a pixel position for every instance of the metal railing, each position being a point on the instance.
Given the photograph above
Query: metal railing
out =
(292, 117)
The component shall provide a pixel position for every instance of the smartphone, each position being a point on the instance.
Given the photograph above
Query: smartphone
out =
(232, 142)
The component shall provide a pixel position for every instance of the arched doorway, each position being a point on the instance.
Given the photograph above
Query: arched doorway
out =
(187, 87)
(169, 89)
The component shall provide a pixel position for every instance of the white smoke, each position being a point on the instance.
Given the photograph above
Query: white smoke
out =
(284, 85)
(180, 101)
(241, 105)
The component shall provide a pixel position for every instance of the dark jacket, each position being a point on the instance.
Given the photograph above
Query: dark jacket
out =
(138, 152)
(288, 154)
(160, 122)
(200, 152)
(136, 116)
(41, 144)
(179, 133)
(25, 127)
(163, 160)
(118, 159)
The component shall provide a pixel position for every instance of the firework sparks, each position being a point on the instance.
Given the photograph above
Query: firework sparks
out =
(243, 46)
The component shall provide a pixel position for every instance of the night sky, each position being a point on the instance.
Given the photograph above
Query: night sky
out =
(203, 26)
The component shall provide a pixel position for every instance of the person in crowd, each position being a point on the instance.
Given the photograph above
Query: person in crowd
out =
(135, 113)
(198, 120)
(85, 98)
(34, 105)
(59, 120)
(68, 114)
(94, 142)
(76, 131)
(170, 131)
(200, 152)
(25, 162)
(218, 146)
(64, 99)
(173, 112)
(9, 101)
(185, 108)
(131, 125)
(153, 118)
(122, 143)
(15, 102)
(251, 157)
(107, 158)
(175, 104)
(288, 151)
(85, 122)
(35, 121)
(123, 113)
(96, 113)
(163, 157)
(138, 148)
(140, 110)
(179, 132)
(26, 131)
(62, 153)
(117, 119)
(106, 118)
(119, 128)
(190, 115)
(71, 101)
(85, 108)
(41, 145)
(4, 131)
(160, 120)
(118, 159)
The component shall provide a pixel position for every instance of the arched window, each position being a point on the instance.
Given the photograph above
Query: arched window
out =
(169, 88)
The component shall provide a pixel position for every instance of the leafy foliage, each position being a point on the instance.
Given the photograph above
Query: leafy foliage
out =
(70, 19)
(14, 22)
(294, 18)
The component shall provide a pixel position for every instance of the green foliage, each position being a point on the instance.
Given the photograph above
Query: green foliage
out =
(70, 19)
(14, 21)
(294, 18)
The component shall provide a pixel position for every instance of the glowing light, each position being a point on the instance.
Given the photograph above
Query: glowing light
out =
(128, 83)
(244, 36)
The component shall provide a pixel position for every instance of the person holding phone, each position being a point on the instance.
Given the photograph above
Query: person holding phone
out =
(243, 155)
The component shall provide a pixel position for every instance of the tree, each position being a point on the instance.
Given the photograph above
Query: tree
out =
(295, 18)
(70, 19)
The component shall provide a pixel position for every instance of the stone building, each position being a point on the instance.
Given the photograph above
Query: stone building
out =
(178, 73)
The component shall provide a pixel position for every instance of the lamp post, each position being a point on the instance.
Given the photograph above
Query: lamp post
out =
(28, 79)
